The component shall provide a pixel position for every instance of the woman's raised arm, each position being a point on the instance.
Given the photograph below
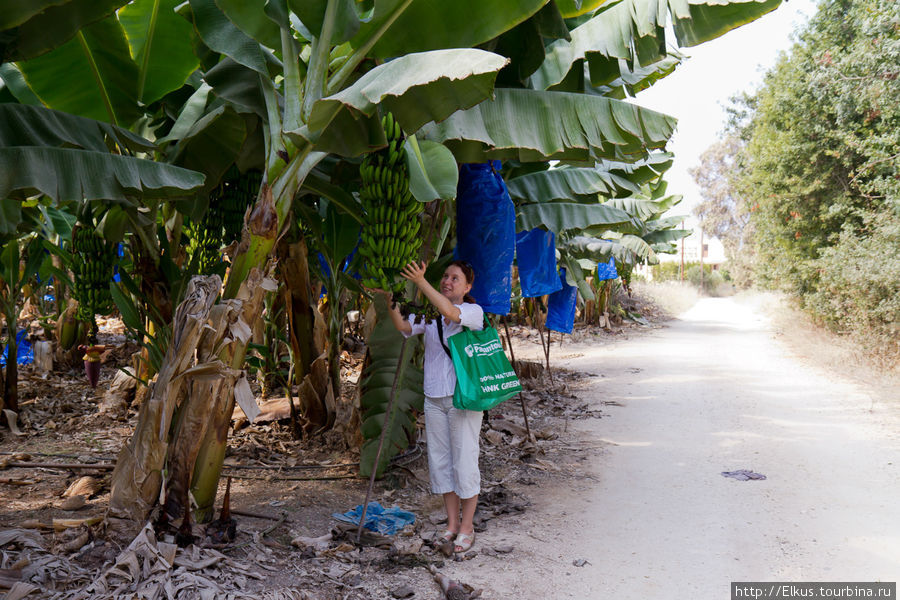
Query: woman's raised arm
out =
(415, 272)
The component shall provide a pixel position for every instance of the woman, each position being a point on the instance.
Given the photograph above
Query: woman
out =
(451, 434)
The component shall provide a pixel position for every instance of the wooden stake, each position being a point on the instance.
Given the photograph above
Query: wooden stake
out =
(387, 414)
(516, 369)
(545, 348)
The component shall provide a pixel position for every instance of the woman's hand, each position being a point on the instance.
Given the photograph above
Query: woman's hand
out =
(415, 272)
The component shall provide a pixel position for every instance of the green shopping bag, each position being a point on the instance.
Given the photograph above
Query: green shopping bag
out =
(484, 376)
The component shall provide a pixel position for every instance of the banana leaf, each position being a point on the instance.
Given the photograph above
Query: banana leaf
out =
(22, 125)
(666, 236)
(191, 112)
(160, 42)
(385, 345)
(212, 144)
(29, 28)
(433, 173)
(634, 31)
(562, 216)
(628, 80)
(91, 75)
(15, 85)
(576, 8)
(416, 88)
(582, 185)
(642, 171)
(575, 275)
(312, 14)
(67, 173)
(626, 248)
(525, 43)
(428, 25)
(251, 17)
(529, 125)
(66, 157)
(237, 85)
(224, 37)
(644, 209)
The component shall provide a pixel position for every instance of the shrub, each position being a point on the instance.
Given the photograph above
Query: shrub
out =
(859, 286)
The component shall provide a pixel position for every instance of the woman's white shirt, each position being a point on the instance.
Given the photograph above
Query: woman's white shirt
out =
(440, 377)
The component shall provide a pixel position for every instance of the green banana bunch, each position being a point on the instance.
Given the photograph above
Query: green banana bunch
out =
(93, 266)
(224, 219)
(390, 237)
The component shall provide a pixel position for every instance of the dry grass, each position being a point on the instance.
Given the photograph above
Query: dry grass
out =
(671, 296)
(840, 354)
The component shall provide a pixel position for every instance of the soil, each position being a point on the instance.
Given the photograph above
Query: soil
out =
(602, 496)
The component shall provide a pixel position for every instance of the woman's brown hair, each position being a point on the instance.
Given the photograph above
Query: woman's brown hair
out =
(469, 273)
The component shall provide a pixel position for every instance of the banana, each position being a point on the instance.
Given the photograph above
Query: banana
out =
(386, 241)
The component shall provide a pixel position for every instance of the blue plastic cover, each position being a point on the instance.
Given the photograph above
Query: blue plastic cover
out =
(120, 251)
(24, 352)
(561, 306)
(345, 267)
(486, 233)
(607, 270)
(536, 257)
(386, 521)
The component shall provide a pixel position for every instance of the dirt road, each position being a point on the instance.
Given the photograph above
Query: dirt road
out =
(652, 515)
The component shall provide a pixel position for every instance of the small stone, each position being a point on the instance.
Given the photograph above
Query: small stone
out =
(403, 591)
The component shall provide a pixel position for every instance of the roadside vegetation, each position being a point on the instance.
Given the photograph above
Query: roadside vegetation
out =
(803, 188)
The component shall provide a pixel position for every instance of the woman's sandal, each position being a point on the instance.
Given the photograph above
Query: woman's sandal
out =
(464, 542)
(445, 538)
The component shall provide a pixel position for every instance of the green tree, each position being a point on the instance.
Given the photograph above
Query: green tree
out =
(819, 167)
(724, 212)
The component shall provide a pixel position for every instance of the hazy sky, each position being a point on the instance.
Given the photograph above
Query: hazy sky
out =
(698, 90)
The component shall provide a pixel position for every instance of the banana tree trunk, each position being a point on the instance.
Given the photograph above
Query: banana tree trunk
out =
(335, 318)
(9, 376)
(9, 389)
(138, 474)
(137, 477)
(205, 395)
(11, 394)
(206, 414)
(306, 330)
(293, 270)
(263, 225)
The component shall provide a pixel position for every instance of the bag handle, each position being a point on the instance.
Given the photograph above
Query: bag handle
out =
(440, 328)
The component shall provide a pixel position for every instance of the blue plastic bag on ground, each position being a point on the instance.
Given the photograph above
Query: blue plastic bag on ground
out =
(24, 352)
(386, 521)
(607, 270)
(536, 257)
(561, 306)
(486, 233)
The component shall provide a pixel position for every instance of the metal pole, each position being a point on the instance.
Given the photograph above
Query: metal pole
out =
(682, 254)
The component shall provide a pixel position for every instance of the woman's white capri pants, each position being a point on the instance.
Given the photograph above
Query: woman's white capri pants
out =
(452, 437)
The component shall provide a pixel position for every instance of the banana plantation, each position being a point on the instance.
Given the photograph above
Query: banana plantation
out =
(233, 181)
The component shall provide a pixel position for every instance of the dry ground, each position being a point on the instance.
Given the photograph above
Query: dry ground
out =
(294, 487)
